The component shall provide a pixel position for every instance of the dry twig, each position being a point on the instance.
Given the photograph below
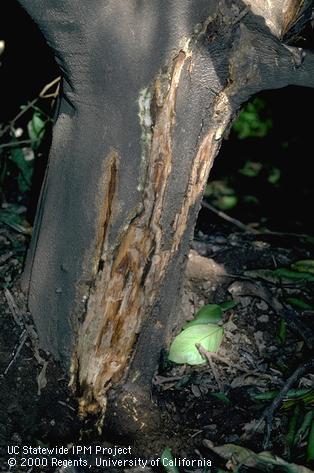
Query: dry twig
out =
(16, 351)
(229, 219)
(291, 317)
(268, 414)
(30, 333)
(43, 94)
(208, 357)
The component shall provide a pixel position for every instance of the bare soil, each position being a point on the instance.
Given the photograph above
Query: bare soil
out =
(212, 404)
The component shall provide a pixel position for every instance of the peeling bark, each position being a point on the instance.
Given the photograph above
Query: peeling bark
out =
(127, 283)
(278, 15)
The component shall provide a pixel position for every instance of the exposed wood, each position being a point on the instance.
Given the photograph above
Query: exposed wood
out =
(278, 15)
(128, 281)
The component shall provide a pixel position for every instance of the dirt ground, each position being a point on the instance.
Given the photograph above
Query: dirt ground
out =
(220, 403)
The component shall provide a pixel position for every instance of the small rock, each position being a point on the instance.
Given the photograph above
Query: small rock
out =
(260, 244)
(262, 305)
(245, 301)
(236, 337)
(230, 326)
(260, 342)
(263, 318)
(220, 240)
(233, 438)
(196, 390)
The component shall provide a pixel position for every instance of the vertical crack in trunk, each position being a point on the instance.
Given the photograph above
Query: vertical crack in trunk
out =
(202, 164)
(130, 275)
(110, 172)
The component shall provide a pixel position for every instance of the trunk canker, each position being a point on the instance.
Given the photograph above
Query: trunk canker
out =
(131, 273)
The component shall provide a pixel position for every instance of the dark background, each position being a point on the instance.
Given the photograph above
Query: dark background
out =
(27, 65)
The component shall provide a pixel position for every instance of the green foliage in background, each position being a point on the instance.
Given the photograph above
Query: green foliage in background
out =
(221, 194)
(18, 151)
(253, 121)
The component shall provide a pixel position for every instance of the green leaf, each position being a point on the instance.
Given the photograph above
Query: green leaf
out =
(36, 129)
(299, 303)
(250, 199)
(25, 168)
(184, 381)
(294, 275)
(266, 396)
(15, 221)
(263, 461)
(305, 395)
(304, 266)
(228, 305)
(303, 430)
(227, 202)
(253, 121)
(310, 444)
(267, 274)
(279, 273)
(293, 425)
(221, 397)
(183, 348)
(251, 169)
(208, 314)
(168, 462)
(282, 331)
(274, 175)
(309, 239)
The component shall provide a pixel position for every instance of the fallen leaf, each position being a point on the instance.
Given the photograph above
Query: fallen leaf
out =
(239, 456)
(209, 314)
(304, 266)
(183, 348)
(41, 378)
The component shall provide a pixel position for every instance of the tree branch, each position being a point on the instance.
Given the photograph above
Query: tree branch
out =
(304, 74)
(278, 15)
(260, 61)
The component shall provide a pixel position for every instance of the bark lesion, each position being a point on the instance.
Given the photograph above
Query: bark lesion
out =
(111, 172)
(132, 271)
(297, 12)
(128, 281)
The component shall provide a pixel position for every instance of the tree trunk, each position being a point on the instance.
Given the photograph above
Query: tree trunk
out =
(149, 89)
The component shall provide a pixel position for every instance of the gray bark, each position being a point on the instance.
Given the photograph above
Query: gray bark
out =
(149, 88)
